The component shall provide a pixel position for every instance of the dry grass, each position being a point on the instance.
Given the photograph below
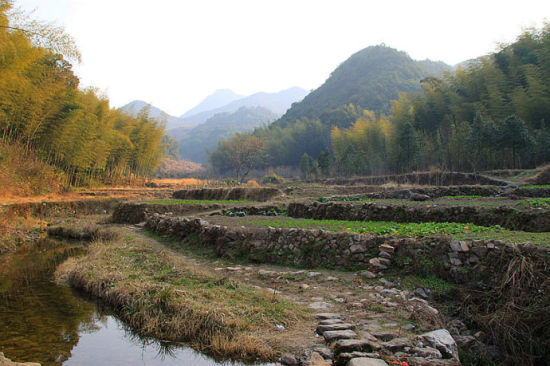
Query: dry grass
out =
(22, 173)
(542, 178)
(161, 294)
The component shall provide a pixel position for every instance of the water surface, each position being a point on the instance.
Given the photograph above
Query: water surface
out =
(41, 321)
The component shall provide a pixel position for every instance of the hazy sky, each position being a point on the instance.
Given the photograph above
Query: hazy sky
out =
(173, 53)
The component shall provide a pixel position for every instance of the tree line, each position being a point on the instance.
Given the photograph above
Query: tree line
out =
(43, 109)
(489, 113)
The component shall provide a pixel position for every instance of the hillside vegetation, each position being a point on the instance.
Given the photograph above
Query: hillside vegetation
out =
(45, 116)
(196, 143)
(491, 113)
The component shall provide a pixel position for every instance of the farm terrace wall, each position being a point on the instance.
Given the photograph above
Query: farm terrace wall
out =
(533, 220)
(458, 261)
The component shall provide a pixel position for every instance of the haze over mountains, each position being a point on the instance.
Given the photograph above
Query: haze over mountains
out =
(223, 101)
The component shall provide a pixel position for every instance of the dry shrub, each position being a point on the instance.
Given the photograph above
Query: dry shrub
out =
(542, 178)
(23, 173)
(515, 312)
(252, 183)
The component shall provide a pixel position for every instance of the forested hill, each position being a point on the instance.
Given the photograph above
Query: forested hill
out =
(196, 143)
(368, 79)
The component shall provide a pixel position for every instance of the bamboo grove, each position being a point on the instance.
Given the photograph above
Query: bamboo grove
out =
(43, 110)
(489, 113)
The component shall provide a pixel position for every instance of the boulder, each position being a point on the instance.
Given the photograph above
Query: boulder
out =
(442, 340)
(366, 361)
(333, 335)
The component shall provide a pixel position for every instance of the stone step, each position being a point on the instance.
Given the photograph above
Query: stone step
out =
(331, 321)
(333, 335)
(321, 328)
(359, 345)
(324, 316)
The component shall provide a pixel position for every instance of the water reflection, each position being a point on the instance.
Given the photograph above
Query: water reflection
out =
(43, 322)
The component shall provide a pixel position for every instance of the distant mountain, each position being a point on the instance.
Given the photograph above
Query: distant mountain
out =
(278, 103)
(215, 100)
(370, 79)
(134, 107)
(196, 142)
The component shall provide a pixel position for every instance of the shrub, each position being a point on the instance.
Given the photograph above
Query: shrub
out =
(272, 179)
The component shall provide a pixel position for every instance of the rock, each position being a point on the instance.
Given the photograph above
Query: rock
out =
(419, 291)
(343, 358)
(376, 265)
(330, 278)
(455, 246)
(315, 359)
(384, 336)
(397, 344)
(320, 305)
(386, 248)
(313, 274)
(333, 335)
(357, 248)
(351, 345)
(420, 361)
(427, 352)
(325, 316)
(385, 255)
(304, 286)
(442, 340)
(385, 261)
(233, 269)
(366, 361)
(408, 327)
(386, 283)
(419, 197)
(331, 321)
(263, 272)
(464, 246)
(367, 274)
(325, 352)
(339, 326)
(288, 360)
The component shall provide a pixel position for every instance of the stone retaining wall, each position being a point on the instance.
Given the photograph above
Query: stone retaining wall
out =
(253, 194)
(424, 178)
(318, 248)
(533, 220)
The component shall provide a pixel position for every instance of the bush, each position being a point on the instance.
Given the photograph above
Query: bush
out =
(252, 183)
(272, 179)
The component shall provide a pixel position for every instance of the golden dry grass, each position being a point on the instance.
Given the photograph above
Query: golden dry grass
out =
(160, 294)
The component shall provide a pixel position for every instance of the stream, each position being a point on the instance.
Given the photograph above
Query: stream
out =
(43, 322)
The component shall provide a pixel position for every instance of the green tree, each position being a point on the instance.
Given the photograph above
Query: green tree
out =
(515, 136)
(307, 165)
(324, 161)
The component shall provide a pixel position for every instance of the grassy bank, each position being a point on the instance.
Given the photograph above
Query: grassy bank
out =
(188, 202)
(160, 294)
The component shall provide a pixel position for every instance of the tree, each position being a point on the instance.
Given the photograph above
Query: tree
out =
(242, 153)
(307, 165)
(406, 147)
(324, 161)
(514, 135)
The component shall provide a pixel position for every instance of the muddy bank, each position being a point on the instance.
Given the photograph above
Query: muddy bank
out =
(252, 194)
(423, 178)
(533, 220)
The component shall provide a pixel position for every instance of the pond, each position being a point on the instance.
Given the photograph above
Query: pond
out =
(43, 322)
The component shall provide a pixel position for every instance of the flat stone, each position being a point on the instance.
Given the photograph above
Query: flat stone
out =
(351, 345)
(427, 352)
(366, 361)
(325, 352)
(376, 265)
(385, 255)
(304, 286)
(331, 321)
(386, 283)
(367, 274)
(464, 246)
(357, 248)
(343, 358)
(325, 316)
(455, 246)
(319, 305)
(398, 344)
(386, 248)
(419, 291)
(333, 335)
(263, 272)
(384, 261)
(339, 326)
(233, 269)
(331, 278)
(313, 274)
